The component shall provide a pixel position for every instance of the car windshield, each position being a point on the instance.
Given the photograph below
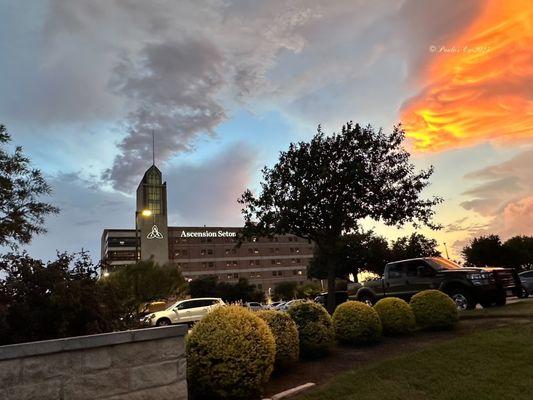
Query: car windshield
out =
(441, 263)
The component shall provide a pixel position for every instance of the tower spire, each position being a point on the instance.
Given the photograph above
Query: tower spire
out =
(153, 147)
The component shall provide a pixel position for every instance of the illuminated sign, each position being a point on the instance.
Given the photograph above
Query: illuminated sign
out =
(205, 234)
(155, 234)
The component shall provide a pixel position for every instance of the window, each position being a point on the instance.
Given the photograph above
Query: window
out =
(395, 271)
(206, 251)
(300, 272)
(274, 273)
(180, 252)
(231, 251)
(235, 275)
(280, 273)
(293, 261)
(294, 271)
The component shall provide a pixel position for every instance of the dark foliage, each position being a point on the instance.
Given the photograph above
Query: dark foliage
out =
(136, 285)
(416, 245)
(210, 286)
(322, 189)
(516, 252)
(22, 213)
(60, 298)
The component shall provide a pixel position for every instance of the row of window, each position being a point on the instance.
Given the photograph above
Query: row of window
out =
(207, 252)
(256, 274)
(235, 263)
(274, 239)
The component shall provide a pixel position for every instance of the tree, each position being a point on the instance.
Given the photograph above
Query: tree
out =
(484, 251)
(356, 252)
(22, 213)
(61, 298)
(210, 286)
(284, 291)
(137, 284)
(518, 252)
(322, 189)
(413, 246)
(308, 290)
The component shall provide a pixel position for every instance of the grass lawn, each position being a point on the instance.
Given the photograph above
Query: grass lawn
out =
(492, 365)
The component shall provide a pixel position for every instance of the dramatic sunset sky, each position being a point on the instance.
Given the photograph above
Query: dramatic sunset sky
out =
(228, 84)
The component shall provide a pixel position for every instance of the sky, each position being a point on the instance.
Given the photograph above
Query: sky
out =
(228, 84)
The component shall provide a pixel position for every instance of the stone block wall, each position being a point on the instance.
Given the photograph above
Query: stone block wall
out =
(142, 364)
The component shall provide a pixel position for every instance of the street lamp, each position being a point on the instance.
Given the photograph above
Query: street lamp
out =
(145, 213)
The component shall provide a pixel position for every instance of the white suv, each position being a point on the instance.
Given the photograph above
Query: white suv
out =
(183, 312)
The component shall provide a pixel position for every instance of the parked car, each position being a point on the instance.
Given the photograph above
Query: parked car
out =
(526, 278)
(280, 305)
(287, 305)
(466, 286)
(183, 312)
(272, 306)
(254, 306)
(340, 297)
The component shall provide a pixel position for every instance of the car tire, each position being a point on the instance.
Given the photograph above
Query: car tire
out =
(462, 298)
(163, 322)
(367, 298)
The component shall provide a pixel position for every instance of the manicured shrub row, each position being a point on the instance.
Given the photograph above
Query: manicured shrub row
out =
(232, 351)
(396, 316)
(356, 323)
(286, 336)
(434, 310)
(315, 329)
(230, 355)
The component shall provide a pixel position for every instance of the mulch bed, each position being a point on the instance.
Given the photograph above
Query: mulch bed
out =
(345, 358)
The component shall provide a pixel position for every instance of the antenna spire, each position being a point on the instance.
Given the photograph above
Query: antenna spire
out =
(153, 147)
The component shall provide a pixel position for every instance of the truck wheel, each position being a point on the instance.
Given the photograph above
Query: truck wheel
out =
(367, 299)
(462, 299)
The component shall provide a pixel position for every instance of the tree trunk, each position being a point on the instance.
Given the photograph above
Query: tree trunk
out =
(331, 285)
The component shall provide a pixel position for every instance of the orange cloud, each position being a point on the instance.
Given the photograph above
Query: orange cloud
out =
(479, 86)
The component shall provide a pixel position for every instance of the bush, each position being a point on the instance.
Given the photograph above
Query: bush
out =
(356, 323)
(230, 355)
(285, 334)
(433, 309)
(315, 329)
(396, 316)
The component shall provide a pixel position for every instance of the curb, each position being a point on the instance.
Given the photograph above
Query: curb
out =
(291, 392)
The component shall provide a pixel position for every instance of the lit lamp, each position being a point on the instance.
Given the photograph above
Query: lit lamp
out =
(144, 213)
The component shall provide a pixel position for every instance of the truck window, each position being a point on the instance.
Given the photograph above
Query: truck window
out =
(412, 268)
(395, 271)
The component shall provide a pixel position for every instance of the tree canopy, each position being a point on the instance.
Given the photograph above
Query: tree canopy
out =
(210, 286)
(516, 252)
(22, 211)
(322, 189)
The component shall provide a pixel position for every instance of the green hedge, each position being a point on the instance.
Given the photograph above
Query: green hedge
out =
(434, 310)
(356, 323)
(396, 316)
(230, 355)
(286, 335)
(315, 329)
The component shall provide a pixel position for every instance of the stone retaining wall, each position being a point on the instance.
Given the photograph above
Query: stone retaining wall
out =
(141, 364)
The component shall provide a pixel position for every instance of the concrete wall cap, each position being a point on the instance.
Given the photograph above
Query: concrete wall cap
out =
(90, 341)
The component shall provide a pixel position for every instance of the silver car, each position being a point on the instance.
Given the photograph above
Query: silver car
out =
(526, 278)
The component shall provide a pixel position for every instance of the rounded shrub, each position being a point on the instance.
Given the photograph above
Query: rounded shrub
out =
(230, 355)
(434, 309)
(285, 334)
(396, 316)
(315, 329)
(356, 323)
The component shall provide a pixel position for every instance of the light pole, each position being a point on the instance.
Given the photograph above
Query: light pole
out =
(145, 213)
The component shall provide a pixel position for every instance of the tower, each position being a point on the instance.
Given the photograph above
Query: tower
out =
(151, 216)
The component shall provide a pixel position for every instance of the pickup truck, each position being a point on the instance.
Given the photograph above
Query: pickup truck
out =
(466, 286)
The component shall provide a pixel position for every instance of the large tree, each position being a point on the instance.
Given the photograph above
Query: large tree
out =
(484, 251)
(322, 189)
(22, 211)
(413, 246)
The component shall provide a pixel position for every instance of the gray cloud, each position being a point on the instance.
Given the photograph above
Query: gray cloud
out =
(173, 89)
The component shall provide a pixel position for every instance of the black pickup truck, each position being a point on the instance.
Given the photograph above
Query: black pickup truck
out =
(466, 286)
